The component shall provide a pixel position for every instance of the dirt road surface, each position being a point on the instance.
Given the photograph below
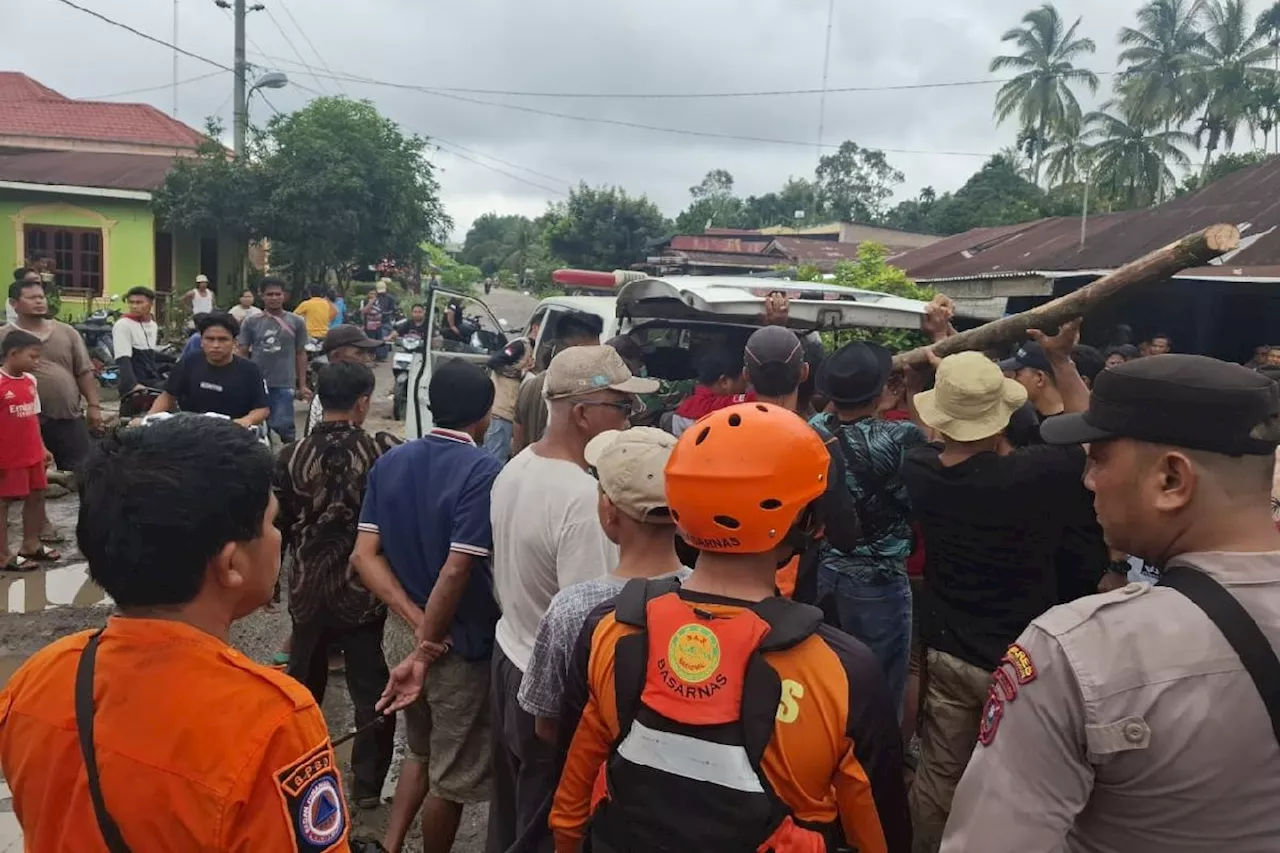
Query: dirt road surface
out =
(38, 608)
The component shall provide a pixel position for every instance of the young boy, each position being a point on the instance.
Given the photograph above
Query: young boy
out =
(720, 384)
(23, 457)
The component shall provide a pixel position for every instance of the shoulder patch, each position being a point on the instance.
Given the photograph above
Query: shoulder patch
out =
(1065, 617)
(311, 795)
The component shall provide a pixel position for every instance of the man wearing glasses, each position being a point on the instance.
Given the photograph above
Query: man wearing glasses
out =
(547, 536)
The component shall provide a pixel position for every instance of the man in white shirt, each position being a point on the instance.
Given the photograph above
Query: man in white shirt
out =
(200, 297)
(133, 340)
(547, 536)
(245, 308)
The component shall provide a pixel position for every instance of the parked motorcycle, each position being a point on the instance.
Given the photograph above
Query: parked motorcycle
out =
(316, 360)
(95, 330)
(405, 349)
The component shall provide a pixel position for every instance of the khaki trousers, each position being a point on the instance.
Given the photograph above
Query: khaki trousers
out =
(955, 693)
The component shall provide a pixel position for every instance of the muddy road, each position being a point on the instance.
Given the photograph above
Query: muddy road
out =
(39, 607)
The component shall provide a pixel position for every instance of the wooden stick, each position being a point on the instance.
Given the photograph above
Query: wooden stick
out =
(1191, 251)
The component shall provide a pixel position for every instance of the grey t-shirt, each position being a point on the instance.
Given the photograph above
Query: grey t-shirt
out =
(274, 343)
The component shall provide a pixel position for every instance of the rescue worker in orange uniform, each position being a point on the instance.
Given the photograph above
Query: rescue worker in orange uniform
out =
(154, 734)
(717, 715)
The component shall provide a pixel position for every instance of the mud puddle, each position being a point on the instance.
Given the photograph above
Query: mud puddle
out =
(49, 589)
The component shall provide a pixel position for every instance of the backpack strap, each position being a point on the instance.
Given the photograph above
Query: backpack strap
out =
(1239, 628)
(631, 653)
(790, 622)
(84, 726)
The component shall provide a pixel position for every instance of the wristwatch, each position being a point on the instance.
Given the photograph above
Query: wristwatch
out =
(1120, 567)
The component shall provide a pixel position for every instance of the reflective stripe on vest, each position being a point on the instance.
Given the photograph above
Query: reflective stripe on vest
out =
(690, 758)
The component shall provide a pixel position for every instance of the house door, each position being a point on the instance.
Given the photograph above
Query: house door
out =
(164, 262)
(209, 259)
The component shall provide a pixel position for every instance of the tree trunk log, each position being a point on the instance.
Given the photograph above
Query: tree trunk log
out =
(1192, 251)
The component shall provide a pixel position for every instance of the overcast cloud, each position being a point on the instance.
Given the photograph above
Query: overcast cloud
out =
(585, 46)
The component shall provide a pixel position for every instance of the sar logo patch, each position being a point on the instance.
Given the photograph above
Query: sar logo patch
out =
(1023, 669)
(1001, 681)
(992, 713)
(312, 798)
(694, 653)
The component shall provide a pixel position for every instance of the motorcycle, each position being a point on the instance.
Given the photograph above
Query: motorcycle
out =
(405, 348)
(95, 330)
(316, 360)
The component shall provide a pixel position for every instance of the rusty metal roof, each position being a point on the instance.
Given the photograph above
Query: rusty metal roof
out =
(804, 250)
(1249, 199)
(86, 169)
(706, 243)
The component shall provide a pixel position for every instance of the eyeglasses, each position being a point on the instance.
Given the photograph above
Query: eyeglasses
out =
(623, 406)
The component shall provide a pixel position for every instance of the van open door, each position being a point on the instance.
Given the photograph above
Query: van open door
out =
(477, 336)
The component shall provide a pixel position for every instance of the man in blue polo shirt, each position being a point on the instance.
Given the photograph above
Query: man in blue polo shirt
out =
(423, 548)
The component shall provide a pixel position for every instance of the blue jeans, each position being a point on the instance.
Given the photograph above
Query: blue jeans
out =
(497, 441)
(880, 616)
(282, 419)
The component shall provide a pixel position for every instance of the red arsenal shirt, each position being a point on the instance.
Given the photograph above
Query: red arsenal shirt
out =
(20, 445)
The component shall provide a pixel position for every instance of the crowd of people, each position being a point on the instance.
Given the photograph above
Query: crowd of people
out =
(816, 603)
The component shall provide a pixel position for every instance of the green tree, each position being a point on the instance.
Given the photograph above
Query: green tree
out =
(995, 195)
(1041, 94)
(1068, 151)
(779, 208)
(344, 184)
(872, 271)
(854, 183)
(1221, 167)
(495, 242)
(603, 228)
(212, 193)
(714, 205)
(1130, 158)
(1263, 112)
(454, 275)
(1161, 56)
(914, 214)
(1233, 59)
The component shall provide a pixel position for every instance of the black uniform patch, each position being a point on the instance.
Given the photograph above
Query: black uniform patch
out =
(312, 796)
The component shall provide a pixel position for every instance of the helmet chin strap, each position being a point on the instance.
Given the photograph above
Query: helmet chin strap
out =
(802, 535)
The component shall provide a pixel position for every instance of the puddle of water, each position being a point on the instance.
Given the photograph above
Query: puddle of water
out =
(47, 589)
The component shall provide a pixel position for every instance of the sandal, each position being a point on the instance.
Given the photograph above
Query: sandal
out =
(43, 554)
(19, 563)
(280, 661)
(52, 537)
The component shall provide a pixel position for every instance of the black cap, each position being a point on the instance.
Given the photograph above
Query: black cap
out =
(855, 374)
(459, 395)
(347, 335)
(1186, 401)
(1030, 354)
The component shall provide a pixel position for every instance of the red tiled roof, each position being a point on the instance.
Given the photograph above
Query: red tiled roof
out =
(16, 86)
(86, 169)
(30, 109)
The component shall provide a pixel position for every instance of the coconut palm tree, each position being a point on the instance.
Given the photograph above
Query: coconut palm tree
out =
(1233, 61)
(1160, 55)
(1067, 151)
(1041, 92)
(1130, 156)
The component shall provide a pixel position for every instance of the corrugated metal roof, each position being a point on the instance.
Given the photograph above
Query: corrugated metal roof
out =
(808, 251)
(1248, 199)
(86, 169)
(744, 260)
(705, 243)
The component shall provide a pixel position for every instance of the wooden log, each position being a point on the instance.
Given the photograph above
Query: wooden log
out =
(1191, 251)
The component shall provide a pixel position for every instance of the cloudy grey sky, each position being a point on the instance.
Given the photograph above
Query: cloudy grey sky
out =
(664, 46)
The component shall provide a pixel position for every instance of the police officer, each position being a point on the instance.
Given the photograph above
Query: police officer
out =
(1127, 721)
(154, 733)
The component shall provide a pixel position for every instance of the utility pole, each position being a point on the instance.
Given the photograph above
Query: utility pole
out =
(175, 58)
(241, 115)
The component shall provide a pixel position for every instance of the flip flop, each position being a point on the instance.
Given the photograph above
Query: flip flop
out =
(43, 554)
(18, 563)
(280, 661)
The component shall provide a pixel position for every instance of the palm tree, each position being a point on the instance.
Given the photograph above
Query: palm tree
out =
(1160, 55)
(1041, 92)
(1067, 151)
(1263, 112)
(1233, 58)
(1130, 157)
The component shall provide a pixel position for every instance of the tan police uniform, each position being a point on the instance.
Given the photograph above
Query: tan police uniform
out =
(1126, 722)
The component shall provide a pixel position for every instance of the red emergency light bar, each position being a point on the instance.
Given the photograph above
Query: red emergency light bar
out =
(587, 279)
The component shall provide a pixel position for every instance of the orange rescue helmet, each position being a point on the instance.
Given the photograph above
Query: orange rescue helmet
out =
(740, 478)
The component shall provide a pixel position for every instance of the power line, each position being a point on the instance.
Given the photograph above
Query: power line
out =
(765, 93)
(307, 39)
(500, 160)
(141, 34)
(293, 47)
(514, 177)
(153, 88)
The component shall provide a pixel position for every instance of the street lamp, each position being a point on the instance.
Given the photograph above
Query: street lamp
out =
(270, 80)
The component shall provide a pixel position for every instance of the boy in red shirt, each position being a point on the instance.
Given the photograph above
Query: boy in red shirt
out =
(23, 456)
